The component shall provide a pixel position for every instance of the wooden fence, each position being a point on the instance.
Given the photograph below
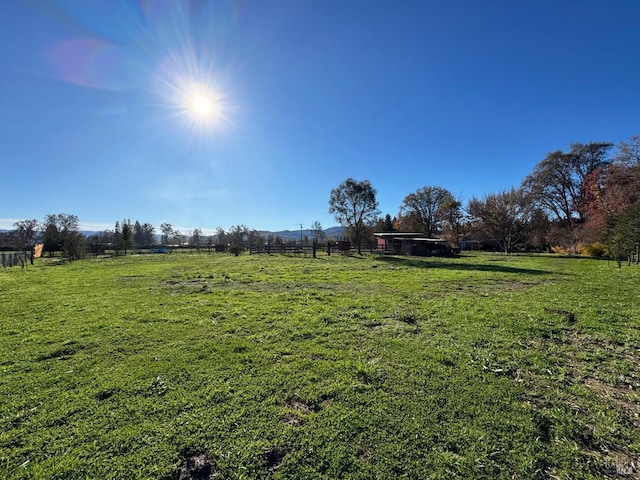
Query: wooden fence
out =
(12, 259)
(282, 249)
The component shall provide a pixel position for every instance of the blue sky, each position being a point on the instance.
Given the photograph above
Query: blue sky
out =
(217, 113)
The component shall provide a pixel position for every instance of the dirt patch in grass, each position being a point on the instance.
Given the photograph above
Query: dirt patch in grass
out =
(373, 324)
(600, 372)
(488, 287)
(618, 396)
(64, 352)
(197, 467)
(300, 292)
(272, 457)
(105, 394)
(299, 409)
(621, 465)
(293, 421)
(596, 358)
(409, 317)
(298, 405)
(570, 316)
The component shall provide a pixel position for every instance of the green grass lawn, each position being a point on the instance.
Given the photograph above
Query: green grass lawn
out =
(183, 366)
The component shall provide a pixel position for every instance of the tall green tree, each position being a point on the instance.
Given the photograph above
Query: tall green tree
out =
(388, 223)
(117, 238)
(623, 239)
(424, 209)
(385, 224)
(149, 234)
(354, 205)
(138, 234)
(51, 235)
(126, 236)
(238, 237)
(61, 232)
(143, 234)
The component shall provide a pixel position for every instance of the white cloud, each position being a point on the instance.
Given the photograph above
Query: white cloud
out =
(7, 223)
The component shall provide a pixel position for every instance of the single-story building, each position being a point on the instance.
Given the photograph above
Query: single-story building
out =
(476, 243)
(410, 243)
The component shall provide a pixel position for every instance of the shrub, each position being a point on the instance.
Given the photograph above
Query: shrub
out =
(596, 249)
(559, 250)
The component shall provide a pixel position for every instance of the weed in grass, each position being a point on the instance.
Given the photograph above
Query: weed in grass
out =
(368, 371)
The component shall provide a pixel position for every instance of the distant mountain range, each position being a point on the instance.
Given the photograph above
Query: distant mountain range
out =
(333, 232)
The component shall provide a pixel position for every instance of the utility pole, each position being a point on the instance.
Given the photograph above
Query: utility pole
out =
(300, 234)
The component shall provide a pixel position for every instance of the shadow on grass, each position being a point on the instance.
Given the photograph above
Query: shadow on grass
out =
(444, 264)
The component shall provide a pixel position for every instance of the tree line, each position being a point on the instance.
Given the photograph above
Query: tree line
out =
(584, 200)
(60, 234)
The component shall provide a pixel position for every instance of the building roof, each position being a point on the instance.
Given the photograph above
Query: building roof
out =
(399, 234)
(426, 240)
(412, 236)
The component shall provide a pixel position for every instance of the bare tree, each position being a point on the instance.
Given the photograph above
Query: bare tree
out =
(557, 182)
(196, 239)
(452, 221)
(255, 238)
(503, 216)
(27, 231)
(221, 236)
(628, 153)
(167, 233)
(317, 233)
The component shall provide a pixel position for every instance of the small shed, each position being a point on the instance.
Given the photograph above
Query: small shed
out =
(411, 243)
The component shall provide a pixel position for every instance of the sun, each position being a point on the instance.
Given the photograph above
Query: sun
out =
(201, 105)
(198, 100)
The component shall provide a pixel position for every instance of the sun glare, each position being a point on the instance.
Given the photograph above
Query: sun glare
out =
(197, 99)
(201, 106)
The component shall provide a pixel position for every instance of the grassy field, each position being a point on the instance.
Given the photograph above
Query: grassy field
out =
(190, 366)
